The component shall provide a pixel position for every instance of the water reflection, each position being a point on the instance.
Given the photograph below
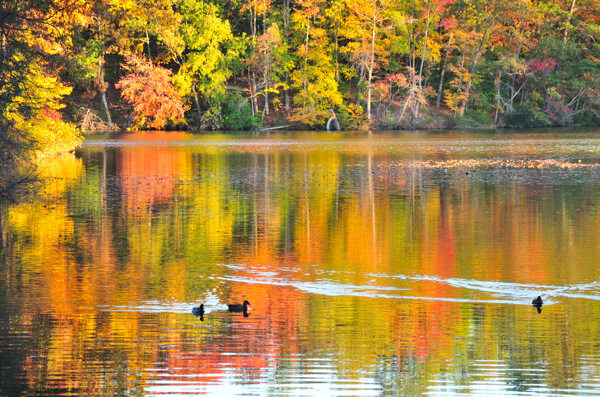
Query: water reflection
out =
(387, 266)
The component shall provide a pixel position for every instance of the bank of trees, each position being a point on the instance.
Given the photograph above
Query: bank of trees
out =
(237, 64)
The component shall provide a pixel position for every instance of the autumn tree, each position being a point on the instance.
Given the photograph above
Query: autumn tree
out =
(205, 57)
(263, 60)
(368, 19)
(31, 91)
(477, 19)
(258, 9)
(314, 77)
(154, 98)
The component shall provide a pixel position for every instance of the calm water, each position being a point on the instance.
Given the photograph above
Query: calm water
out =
(384, 265)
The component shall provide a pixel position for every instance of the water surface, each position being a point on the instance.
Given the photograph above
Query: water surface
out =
(392, 264)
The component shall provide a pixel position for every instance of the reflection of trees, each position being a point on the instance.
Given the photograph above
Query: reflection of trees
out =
(141, 225)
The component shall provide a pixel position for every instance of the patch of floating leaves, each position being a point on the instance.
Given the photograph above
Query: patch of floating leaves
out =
(498, 163)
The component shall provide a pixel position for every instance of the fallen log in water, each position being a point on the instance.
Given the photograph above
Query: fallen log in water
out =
(279, 127)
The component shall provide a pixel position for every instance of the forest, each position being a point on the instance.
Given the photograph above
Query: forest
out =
(70, 66)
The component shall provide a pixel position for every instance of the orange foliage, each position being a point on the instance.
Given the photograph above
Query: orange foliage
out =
(154, 98)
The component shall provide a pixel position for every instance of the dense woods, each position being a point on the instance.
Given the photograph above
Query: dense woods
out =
(240, 64)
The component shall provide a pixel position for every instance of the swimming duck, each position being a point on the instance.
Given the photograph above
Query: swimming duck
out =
(237, 308)
(537, 302)
(198, 311)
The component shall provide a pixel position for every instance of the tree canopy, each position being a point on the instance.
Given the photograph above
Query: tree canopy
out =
(376, 63)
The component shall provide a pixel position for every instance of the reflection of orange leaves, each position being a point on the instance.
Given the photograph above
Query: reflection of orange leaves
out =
(148, 175)
(427, 335)
(281, 308)
(275, 317)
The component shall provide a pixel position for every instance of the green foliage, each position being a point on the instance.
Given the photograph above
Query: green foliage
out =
(237, 114)
(212, 119)
(474, 119)
(352, 117)
(210, 50)
(84, 63)
(528, 115)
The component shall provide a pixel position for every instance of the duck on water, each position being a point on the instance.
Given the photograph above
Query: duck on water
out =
(232, 307)
(237, 308)
(199, 311)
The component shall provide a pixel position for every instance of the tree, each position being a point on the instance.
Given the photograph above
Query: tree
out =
(154, 98)
(477, 19)
(32, 35)
(257, 8)
(369, 19)
(263, 59)
(315, 76)
(205, 59)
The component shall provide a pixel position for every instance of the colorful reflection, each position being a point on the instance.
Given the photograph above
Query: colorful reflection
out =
(368, 272)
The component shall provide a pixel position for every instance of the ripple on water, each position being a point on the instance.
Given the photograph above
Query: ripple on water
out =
(464, 290)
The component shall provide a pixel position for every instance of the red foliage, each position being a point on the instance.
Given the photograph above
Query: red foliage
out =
(541, 65)
(398, 78)
(558, 111)
(154, 98)
(447, 23)
(436, 7)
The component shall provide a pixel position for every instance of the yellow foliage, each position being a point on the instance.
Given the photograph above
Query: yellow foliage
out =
(39, 90)
(53, 136)
(35, 113)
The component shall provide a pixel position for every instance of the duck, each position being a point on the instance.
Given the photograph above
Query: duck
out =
(537, 302)
(237, 308)
(198, 311)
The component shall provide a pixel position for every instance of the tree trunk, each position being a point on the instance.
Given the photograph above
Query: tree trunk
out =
(105, 103)
(474, 69)
(498, 80)
(102, 86)
(361, 74)
(266, 82)
(460, 81)
(252, 109)
(371, 64)
(566, 34)
(337, 63)
(198, 109)
(443, 72)
(286, 25)
(287, 92)
(266, 67)
(424, 48)
(517, 54)
(253, 101)
(148, 44)
(305, 77)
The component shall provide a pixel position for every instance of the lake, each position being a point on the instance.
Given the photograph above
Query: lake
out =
(391, 264)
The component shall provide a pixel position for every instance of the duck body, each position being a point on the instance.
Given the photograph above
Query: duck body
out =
(198, 311)
(537, 302)
(238, 308)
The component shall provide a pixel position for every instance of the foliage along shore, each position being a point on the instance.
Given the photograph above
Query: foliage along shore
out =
(243, 64)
